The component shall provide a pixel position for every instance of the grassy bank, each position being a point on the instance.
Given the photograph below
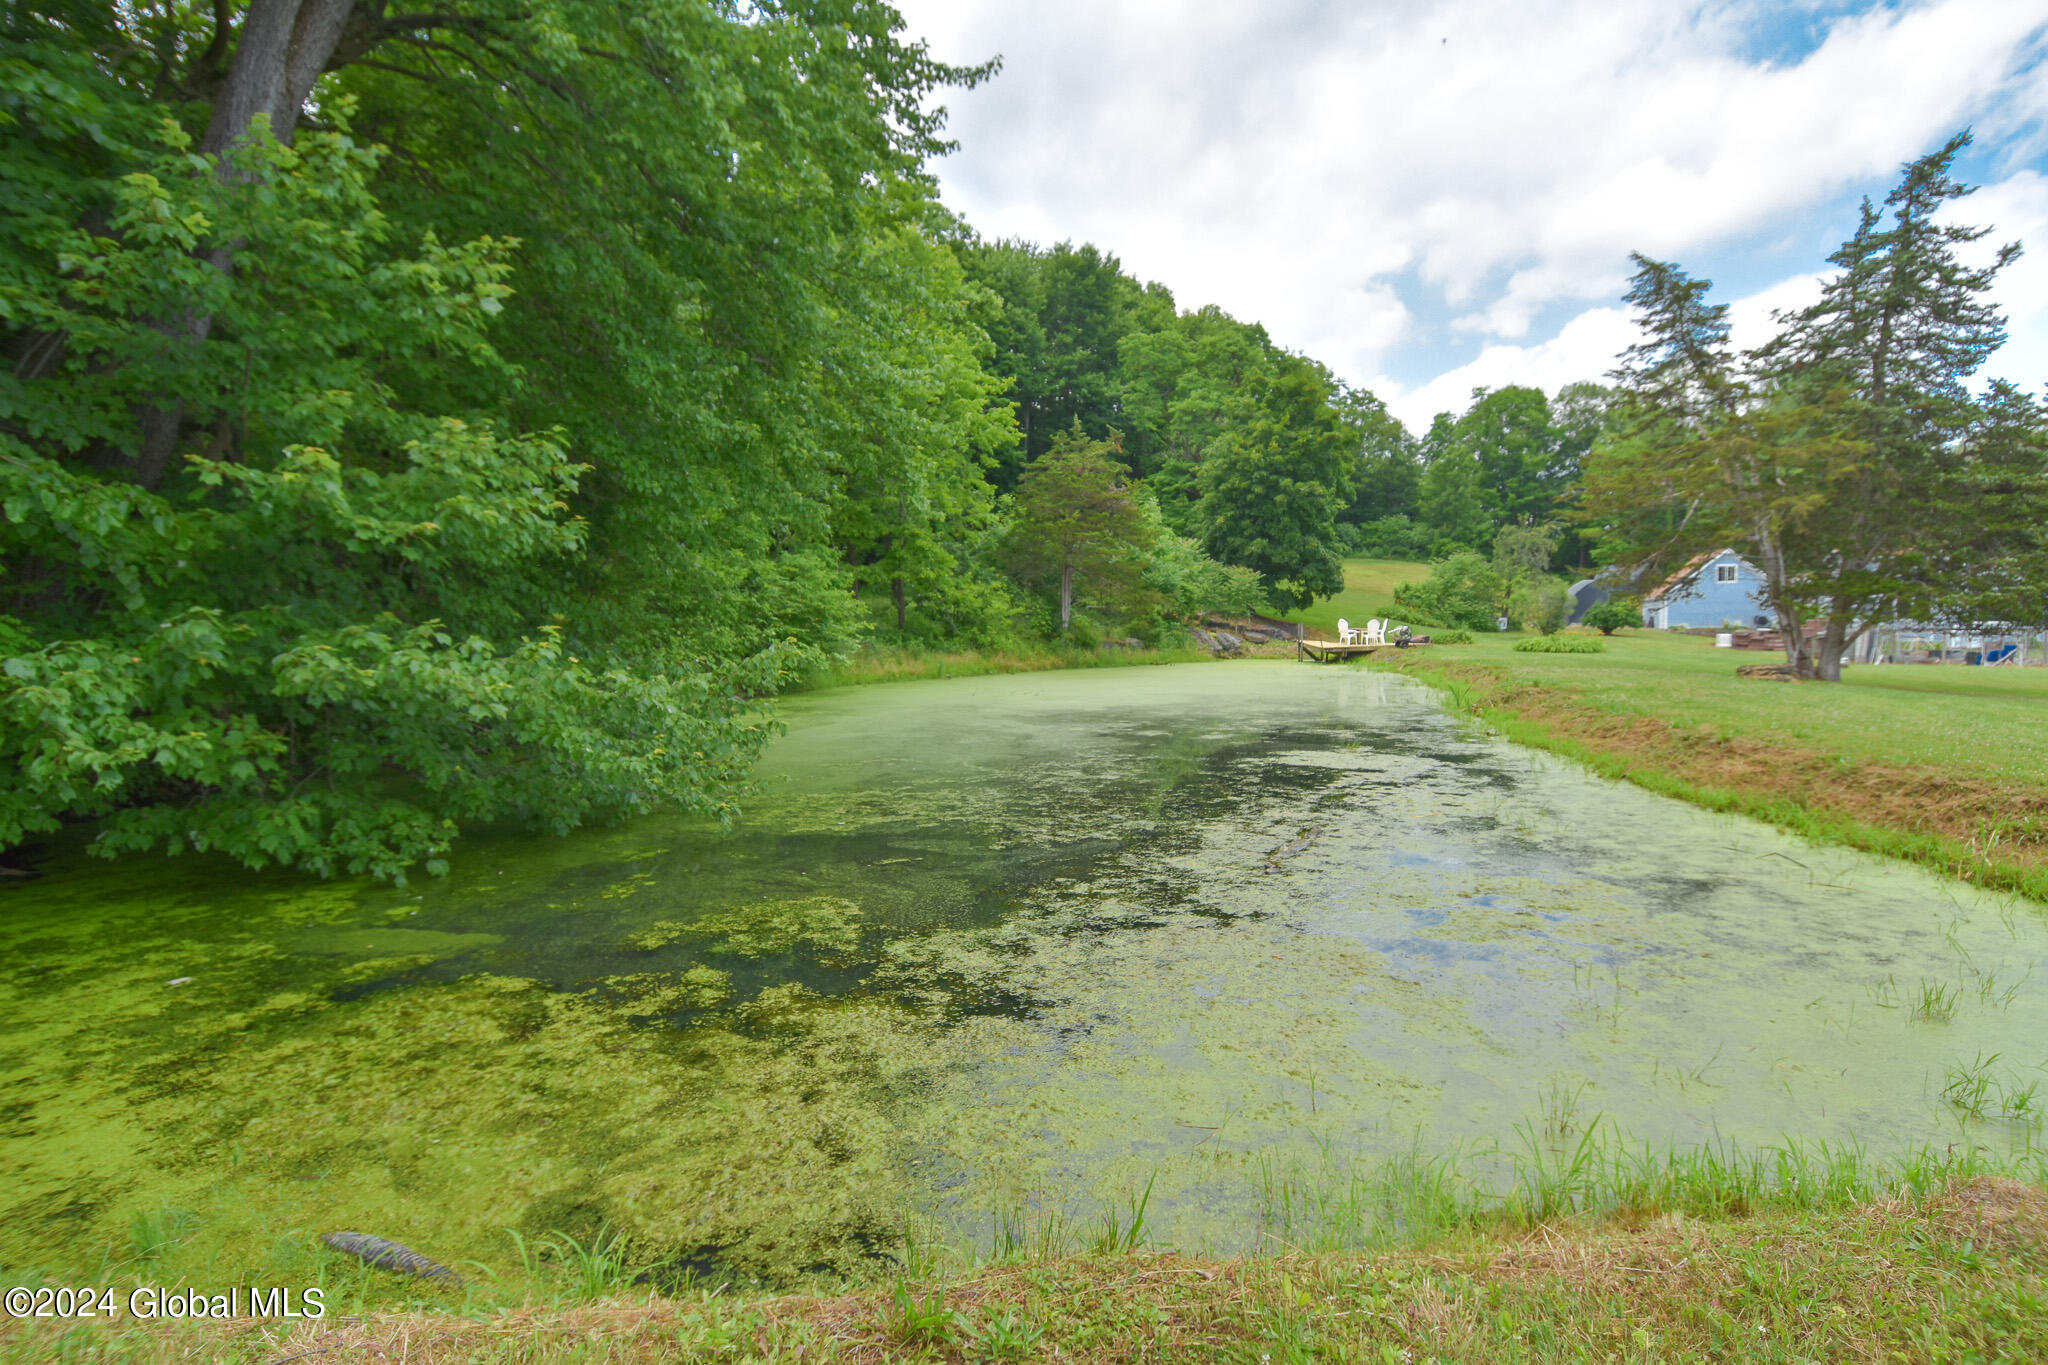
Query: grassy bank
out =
(1960, 1274)
(1941, 765)
(1368, 593)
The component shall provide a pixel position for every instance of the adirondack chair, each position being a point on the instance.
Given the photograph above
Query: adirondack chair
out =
(1375, 632)
(1345, 631)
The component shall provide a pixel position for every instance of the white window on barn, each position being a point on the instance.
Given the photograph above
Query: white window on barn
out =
(1724, 573)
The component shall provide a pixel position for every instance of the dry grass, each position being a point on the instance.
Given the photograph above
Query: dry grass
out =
(1959, 1276)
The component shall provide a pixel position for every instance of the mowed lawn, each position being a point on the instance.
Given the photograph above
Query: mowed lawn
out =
(1368, 592)
(1986, 723)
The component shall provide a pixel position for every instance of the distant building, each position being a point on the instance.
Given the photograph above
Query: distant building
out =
(1717, 589)
(1589, 593)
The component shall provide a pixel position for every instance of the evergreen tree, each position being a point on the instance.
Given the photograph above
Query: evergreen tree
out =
(1077, 527)
(1897, 332)
(1845, 457)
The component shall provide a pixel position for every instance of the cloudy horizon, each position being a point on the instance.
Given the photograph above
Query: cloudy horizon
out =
(1433, 198)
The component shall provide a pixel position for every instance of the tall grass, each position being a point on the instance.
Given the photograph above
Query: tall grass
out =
(1551, 1170)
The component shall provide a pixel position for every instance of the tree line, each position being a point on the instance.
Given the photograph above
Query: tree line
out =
(417, 418)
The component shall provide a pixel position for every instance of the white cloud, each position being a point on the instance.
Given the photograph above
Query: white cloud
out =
(2017, 210)
(1363, 178)
(1585, 349)
(1753, 320)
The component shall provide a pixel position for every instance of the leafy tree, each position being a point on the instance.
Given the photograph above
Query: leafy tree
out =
(1525, 551)
(1077, 526)
(1578, 416)
(283, 576)
(1508, 435)
(1185, 388)
(913, 426)
(1270, 493)
(1395, 537)
(1187, 581)
(1450, 500)
(1542, 604)
(1386, 481)
(305, 647)
(1063, 320)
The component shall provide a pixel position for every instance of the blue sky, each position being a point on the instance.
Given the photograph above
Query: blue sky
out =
(1429, 197)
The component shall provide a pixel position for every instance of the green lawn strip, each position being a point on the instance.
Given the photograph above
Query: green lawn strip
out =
(1987, 723)
(1368, 593)
(1926, 1280)
(1985, 728)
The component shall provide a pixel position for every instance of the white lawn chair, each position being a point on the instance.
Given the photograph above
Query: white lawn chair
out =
(1345, 631)
(1375, 632)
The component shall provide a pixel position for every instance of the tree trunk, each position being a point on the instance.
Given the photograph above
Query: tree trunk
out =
(1829, 648)
(1066, 597)
(283, 47)
(896, 591)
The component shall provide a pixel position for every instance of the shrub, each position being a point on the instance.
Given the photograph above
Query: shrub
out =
(1616, 613)
(1452, 637)
(1560, 644)
(1541, 604)
(1463, 591)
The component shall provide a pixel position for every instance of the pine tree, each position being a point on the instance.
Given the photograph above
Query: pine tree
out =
(1079, 525)
(1896, 334)
(1847, 457)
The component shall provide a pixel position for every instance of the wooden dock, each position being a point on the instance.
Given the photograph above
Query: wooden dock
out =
(1329, 651)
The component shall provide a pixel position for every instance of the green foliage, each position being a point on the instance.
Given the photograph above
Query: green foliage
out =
(1510, 441)
(1270, 494)
(1463, 590)
(584, 1271)
(1189, 581)
(1616, 613)
(1451, 637)
(1247, 449)
(153, 1233)
(1004, 1336)
(1386, 477)
(923, 1319)
(1450, 502)
(1540, 604)
(1078, 529)
(1560, 644)
(1394, 537)
(304, 647)
(359, 606)
(1524, 551)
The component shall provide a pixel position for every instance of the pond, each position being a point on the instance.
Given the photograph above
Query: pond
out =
(985, 955)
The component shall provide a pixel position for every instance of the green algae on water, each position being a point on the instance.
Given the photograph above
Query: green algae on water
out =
(987, 952)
